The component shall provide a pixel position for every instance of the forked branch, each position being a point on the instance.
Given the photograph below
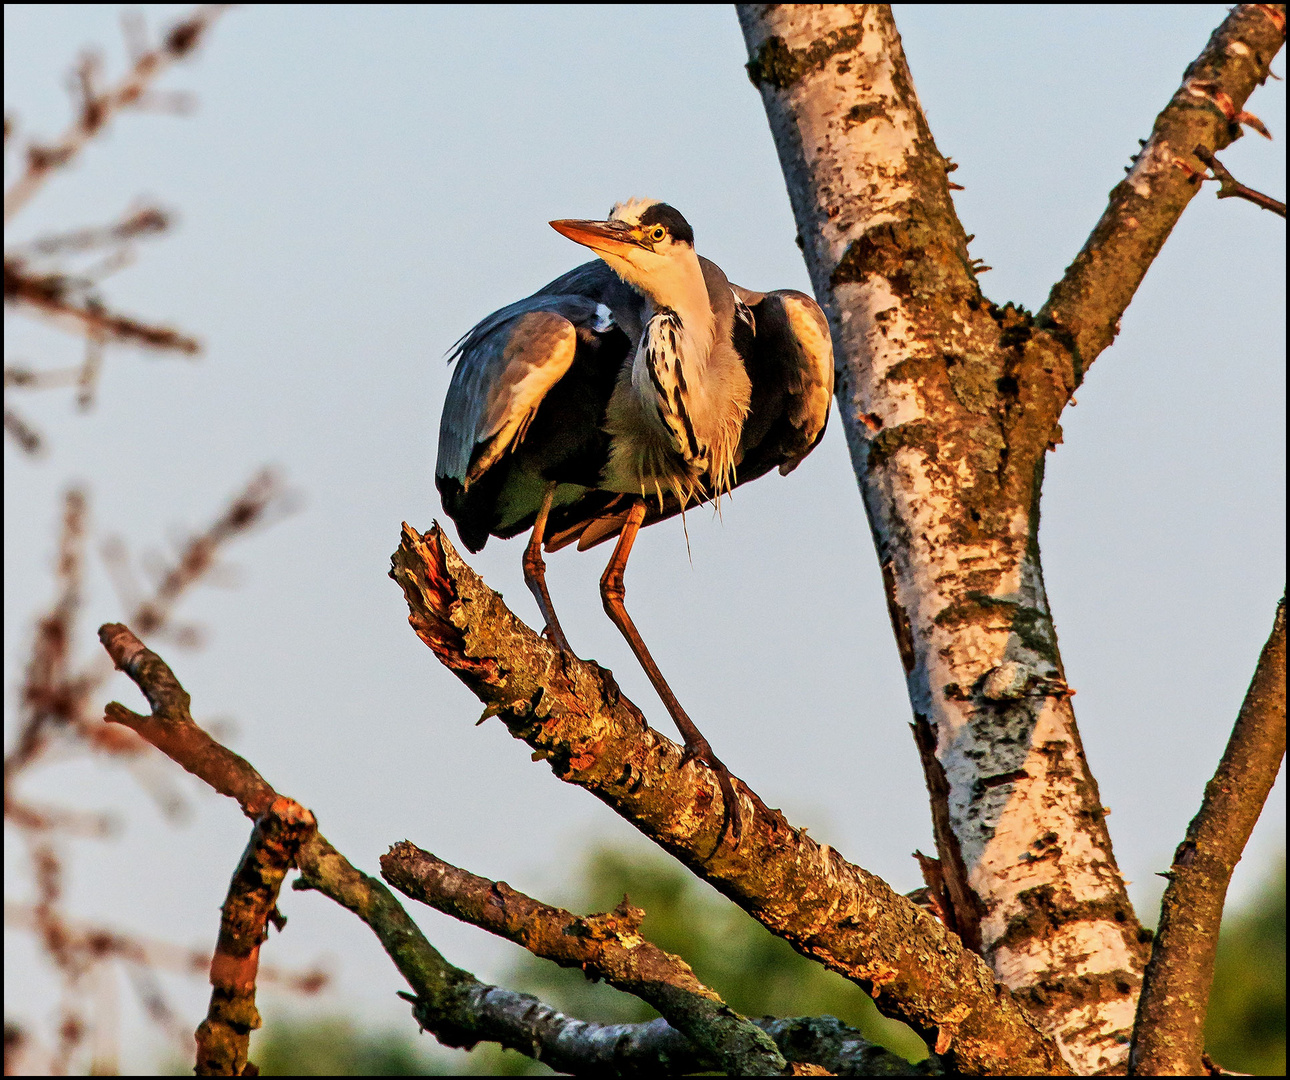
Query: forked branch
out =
(607, 946)
(827, 908)
(459, 1009)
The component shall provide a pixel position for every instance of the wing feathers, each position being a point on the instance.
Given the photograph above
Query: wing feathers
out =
(500, 380)
(536, 355)
(808, 408)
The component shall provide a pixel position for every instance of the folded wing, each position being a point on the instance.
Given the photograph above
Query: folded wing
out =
(515, 416)
(789, 357)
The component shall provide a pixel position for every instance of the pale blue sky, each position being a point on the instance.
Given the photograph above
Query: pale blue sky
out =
(359, 186)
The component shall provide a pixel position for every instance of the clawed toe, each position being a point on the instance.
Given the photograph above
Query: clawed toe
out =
(731, 819)
(609, 685)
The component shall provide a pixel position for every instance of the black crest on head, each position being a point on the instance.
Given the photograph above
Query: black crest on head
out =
(670, 218)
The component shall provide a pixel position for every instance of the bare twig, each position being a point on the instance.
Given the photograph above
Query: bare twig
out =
(29, 379)
(57, 694)
(87, 379)
(1168, 1037)
(58, 298)
(96, 107)
(50, 695)
(146, 220)
(223, 1038)
(263, 500)
(1231, 188)
(21, 431)
(827, 908)
(607, 946)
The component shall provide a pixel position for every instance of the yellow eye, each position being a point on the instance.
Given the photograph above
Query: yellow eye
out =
(657, 233)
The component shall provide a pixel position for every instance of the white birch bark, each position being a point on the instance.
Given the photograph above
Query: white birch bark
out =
(949, 404)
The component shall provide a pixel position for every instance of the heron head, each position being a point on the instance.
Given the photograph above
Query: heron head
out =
(648, 244)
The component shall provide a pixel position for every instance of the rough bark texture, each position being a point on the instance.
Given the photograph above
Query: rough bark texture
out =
(1206, 111)
(1169, 1038)
(454, 1005)
(608, 947)
(825, 907)
(950, 403)
(223, 1038)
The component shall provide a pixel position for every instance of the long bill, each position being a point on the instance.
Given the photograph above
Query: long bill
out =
(611, 236)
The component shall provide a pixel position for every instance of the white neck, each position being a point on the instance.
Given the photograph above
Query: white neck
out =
(675, 283)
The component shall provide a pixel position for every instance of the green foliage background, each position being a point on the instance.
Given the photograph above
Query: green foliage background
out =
(1246, 1026)
(760, 975)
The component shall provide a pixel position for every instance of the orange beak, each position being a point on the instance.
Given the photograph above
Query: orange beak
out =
(612, 236)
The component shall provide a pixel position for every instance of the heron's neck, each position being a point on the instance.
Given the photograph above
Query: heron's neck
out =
(678, 287)
(696, 393)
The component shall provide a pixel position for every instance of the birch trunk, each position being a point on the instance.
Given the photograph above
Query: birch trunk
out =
(949, 405)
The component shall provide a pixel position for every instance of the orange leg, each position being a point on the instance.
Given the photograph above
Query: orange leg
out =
(613, 592)
(535, 574)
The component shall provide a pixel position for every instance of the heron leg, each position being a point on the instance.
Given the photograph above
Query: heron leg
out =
(535, 573)
(613, 592)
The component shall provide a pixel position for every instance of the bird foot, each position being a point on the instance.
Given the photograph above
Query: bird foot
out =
(555, 636)
(731, 818)
(563, 650)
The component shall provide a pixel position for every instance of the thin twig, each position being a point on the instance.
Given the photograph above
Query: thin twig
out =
(50, 696)
(30, 379)
(20, 430)
(1168, 1036)
(54, 296)
(95, 107)
(146, 220)
(1231, 188)
(263, 500)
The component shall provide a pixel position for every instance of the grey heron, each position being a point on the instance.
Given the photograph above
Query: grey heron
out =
(618, 395)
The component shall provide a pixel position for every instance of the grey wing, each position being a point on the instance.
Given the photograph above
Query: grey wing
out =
(510, 359)
(787, 349)
(594, 281)
(505, 366)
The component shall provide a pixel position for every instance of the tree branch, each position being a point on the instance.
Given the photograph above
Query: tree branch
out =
(1231, 188)
(223, 1038)
(827, 908)
(950, 403)
(171, 729)
(451, 1003)
(607, 946)
(1086, 305)
(52, 296)
(96, 107)
(1169, 1036)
